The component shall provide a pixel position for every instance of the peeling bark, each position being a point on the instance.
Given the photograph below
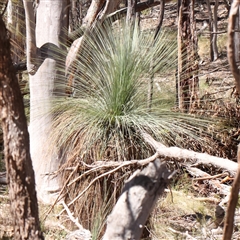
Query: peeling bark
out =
(232, 204)
(20, 175)
(187, 82)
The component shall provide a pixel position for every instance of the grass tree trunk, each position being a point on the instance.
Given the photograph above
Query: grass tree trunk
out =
(20, 174)
(187, 82)
(47, 71)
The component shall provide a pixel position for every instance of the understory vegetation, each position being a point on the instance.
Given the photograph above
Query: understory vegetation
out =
(110, 104)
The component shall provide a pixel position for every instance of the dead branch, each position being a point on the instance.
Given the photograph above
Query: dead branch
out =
(210, 177)
(60, 193)
(183, 234)
(222, 188)
(136, 201)
(71, 217)
(123, 164)
(198, 158)
(100, 165)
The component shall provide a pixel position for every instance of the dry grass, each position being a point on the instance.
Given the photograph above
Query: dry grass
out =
(176, 211)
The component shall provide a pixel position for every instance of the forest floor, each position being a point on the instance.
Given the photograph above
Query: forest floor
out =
(192, 209)
(189, 209)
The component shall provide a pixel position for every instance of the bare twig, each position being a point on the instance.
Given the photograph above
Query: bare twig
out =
(74, 220)
(60, 193)
(186, 234)
(110, 164)
(210, 177)
(117, 167)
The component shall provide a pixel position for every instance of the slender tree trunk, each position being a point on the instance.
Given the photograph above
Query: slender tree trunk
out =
(188, 82)
(92, 13)
(234, 42)
(160, 18)
(232, 203)
(131, 11)
(20, 175)
(151, 80)
(213, 29)
(45, 83)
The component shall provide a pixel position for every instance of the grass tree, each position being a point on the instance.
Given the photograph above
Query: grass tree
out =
(108, 109)
(107, 113)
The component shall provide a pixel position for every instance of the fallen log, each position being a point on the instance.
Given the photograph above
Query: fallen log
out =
(138, 198)
(195, 157)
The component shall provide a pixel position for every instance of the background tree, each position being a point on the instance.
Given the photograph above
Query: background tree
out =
(20, 175)
(187, 79)
(234, 42)
(213, 29)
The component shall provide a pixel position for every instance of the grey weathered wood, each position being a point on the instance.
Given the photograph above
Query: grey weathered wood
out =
(138, 198)
(195, 157)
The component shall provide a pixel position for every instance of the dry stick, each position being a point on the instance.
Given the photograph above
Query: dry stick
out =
(199, 158)
(82, 175)
(185, 234)
(115, 164)
(124, 164)
(65, 184)
(72, 218)
(233, 200)
(210, 177)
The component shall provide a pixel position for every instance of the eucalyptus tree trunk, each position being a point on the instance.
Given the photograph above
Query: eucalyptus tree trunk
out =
(234, 42)
(16, 27)
(151, 80)
(20, 174)
(45, 46)
(97, 12)
(213, 30)
(92, 13)
(131, 11)
(187, 79)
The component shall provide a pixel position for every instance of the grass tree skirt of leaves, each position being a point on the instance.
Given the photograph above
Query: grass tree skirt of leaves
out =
(104, 117)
